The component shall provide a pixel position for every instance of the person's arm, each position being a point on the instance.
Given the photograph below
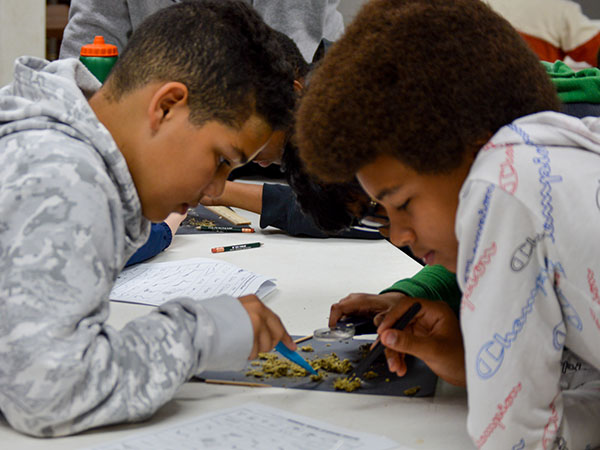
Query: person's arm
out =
(161, 235)
(433, 283)
(246, 196)
(277, 206)
(306, 22)
(580, 37)
(280, 209)
(64, 370)
(89, 18)
(160, 238)
(512, 323)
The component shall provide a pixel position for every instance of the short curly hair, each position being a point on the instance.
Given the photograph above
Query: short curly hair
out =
(421, 80)
(231, 62)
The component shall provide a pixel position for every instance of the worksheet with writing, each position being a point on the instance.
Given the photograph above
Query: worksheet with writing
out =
(198, 278)
(252, 426)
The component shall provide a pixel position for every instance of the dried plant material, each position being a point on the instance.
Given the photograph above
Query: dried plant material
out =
(255, 373)
(194, 222)
(332, 363)
(412, 391)
(318, 377)
(307, 348)
(273, 366)
(348, 384)
(369, 375)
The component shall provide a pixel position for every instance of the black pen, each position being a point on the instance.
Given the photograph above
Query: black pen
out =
(400, 324)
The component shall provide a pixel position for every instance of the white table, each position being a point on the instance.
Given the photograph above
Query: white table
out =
(311, 275)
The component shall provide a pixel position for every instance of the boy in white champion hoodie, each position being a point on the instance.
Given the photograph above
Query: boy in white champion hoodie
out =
(459, 140)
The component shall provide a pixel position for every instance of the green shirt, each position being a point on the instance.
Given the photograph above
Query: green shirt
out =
(582, 86)
(433, 283)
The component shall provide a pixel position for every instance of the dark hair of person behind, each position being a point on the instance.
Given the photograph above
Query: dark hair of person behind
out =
(329, 204)
(292, 55)
(421, 80)
(229, 59)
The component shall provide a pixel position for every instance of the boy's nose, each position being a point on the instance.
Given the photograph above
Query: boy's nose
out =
(217, 185)
(401, 235)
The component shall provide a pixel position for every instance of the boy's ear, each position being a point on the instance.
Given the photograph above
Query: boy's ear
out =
(166, 99)
(298, 86)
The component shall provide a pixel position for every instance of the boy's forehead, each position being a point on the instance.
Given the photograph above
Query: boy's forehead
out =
(252, 136)
(383, 177)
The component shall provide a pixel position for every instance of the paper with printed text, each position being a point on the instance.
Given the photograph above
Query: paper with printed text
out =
(198, 278)
(253, 427)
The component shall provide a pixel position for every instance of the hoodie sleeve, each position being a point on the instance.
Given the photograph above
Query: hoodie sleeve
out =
(89, 18)
(160, 238)
(63, 369)
(513, 330)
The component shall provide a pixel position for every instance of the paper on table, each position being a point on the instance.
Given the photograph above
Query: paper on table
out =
(253, 426)
(198, 278)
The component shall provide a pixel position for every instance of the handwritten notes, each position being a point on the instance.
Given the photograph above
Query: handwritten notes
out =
(198, 278)
(252, 427)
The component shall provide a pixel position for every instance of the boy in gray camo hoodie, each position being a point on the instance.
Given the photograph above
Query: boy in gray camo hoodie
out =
(84, 168)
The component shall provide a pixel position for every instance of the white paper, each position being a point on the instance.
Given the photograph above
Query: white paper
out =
(252, 427)
(198, 278)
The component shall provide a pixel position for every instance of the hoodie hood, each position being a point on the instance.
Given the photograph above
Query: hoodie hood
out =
(54, 96)
(553, 129)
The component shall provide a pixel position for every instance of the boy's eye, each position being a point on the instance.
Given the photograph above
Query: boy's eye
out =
(403, 206)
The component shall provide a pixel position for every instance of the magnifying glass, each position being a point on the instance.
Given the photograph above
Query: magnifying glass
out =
(346, 328)
(341, 332)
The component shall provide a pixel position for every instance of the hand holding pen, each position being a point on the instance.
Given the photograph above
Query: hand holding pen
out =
(433, 336)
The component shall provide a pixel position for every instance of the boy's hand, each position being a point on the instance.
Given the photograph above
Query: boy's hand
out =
(433, 336)
(268, 329)
(371, 305)
(173, 221)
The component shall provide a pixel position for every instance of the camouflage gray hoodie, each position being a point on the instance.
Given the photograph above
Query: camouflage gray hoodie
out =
(70, 218)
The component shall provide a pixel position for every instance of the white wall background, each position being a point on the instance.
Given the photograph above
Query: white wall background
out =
(22, 32)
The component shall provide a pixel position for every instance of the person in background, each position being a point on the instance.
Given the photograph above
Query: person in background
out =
(487, 179)
(84, 169)
(307, 23)
(554, 29)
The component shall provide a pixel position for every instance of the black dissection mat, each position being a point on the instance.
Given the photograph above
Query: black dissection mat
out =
(419, 381)
(201, 216)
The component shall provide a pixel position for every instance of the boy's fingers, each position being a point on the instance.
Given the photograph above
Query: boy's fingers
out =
(349, 305)
(396, 362)
(406, 342)
(287, 340)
